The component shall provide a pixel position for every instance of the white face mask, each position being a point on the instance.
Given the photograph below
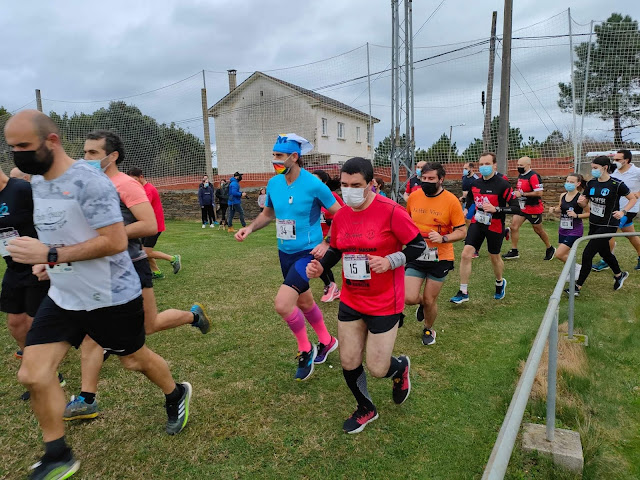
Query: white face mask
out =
(353, 196)
(617, 164)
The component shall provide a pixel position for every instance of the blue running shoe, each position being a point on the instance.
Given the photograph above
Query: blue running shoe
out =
(459, 298)
(501, 290)
(203, 322)
(305, 363)
(600, 266)
(59, 469)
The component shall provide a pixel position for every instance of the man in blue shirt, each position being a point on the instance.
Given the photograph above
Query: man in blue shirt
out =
(235, 200)
(294, 200)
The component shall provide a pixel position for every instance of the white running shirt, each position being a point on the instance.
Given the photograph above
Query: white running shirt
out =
(631, 179)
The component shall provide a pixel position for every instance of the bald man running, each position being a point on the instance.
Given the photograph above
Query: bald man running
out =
(529, 194)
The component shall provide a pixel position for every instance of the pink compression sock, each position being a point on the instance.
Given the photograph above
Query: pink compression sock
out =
(296, 324)
(316, 320)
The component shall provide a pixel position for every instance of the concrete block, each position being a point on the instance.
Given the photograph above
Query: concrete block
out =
(577, 338)
(566, 448)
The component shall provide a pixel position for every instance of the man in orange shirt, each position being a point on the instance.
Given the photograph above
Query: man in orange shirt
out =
(438, 215)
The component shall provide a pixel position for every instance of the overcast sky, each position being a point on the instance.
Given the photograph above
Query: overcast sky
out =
(85, 51)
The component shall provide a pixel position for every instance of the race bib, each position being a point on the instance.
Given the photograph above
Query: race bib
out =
(483, 217)
(6, 235)
(429, 255)
(522, 202)
(60, 268)
(597, 210)
(566, 223)
(286, 229)
(356, 267)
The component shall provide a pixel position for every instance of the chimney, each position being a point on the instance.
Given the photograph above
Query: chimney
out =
(232, 80)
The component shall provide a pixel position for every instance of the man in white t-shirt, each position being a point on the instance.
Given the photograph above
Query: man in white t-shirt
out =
(94, 290)
(629, 174)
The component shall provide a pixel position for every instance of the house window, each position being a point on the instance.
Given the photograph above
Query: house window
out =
(341, 130)
(325, 127)
(358, 135)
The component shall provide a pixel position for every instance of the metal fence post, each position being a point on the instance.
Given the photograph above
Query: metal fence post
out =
(572, 297)
(552, 371)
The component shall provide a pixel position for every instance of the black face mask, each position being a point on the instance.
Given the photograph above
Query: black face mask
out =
(239, 178)
(34, 162)
(429, 188)
(520, 170)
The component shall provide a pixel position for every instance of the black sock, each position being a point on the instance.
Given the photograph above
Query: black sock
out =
(174, 396)
(357, 382)
(56, 449)
(88, 397)
(394, 367)
(196, 318)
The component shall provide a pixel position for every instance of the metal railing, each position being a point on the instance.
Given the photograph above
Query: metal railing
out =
(502, 449)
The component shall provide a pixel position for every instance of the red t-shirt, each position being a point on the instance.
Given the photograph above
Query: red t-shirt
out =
(154, 199)
(382, 228)
(325, 215)
(530, 182)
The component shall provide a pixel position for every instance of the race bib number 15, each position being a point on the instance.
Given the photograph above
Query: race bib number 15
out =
(356, 267)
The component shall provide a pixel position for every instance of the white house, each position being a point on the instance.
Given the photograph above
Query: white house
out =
(251, 116)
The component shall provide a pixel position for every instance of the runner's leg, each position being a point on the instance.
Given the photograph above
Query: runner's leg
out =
(516, 223)
(429, 300)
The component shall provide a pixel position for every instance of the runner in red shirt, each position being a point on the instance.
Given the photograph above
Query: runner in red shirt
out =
(331, 290)
(368, 238)
(529, 194)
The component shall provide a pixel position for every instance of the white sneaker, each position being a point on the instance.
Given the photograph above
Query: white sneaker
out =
(204, 226)
(211, 225)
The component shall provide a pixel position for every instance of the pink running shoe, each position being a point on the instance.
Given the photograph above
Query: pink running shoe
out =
(331, 292)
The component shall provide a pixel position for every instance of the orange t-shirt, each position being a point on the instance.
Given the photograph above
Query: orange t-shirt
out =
(441, 214)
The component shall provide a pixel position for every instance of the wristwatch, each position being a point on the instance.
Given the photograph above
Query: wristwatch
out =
(52, 256)
(624, 212)
(445, 239)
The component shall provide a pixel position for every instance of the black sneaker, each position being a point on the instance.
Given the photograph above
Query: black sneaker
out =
(359, 419)
(51, 470)
(178, 413)
(428, 336)
(402, 382)
(420, 313)
(619, 281)
(551, 251)
(575, 294)
(511, 254)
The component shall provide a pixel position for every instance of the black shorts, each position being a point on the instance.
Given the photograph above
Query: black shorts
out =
(144, 272)
(476, 235)
(118, 329)
(22, 292)
(437, 271)
(151, 241)
(534, 218)
(375, 323)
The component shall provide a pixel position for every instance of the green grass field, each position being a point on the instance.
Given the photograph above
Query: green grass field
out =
(249, 419)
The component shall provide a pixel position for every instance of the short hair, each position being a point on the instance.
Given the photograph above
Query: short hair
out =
(135, 172)
(605, 161)
(437, 166)
(472, 164)
(322, 175)
(112, 142)
(491, 154)
(626, 154)
(358, 165)
(380, 182)
(44, 126)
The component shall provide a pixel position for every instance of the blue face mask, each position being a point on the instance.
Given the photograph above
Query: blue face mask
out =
(418, 172)
(94, 163)
(485, 170)
(569, 187)
(465, 172)
(596, 173)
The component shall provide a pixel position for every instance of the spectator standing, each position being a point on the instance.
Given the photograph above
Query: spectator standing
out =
(235, 200)
(222, 195)
(206, 199)
(262, 198)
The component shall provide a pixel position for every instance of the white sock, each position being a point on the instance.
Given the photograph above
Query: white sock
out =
(464, 287)
(499, 282)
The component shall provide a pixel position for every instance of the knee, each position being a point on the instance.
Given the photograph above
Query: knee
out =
(467, 254)
(283, 307)
(15, 322)
(377, 370)
(429, 302)
(411, 298)
(32, 376)
(133, 362)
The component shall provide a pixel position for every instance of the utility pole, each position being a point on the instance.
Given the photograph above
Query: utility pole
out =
(505, 88)
(38, 100)
(486, 132)
(205, 124)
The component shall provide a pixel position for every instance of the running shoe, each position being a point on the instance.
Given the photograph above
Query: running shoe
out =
(637, 267)
(501, 290)
(619, 281)
(325, 350)
(402, 382)
(178, 413)
(459, 298)
(18, 354)
(359, 419)
(507, 234)
(27, 395)
(476, 254)
(551, 251)
(305, 363)
(575, 294)
(203, 322)
(157, 275)
(331, 292)
(54, 470)
(511, 254)
(428, 336)
(420, 313)
(78, 409)
(176, 263)
(600, 266)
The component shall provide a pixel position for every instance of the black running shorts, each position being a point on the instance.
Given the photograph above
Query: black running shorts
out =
(118, 329)
(477, 234)
(151, 241)
(22, 292)
(375, 323)
(144, 272)
(534, 218)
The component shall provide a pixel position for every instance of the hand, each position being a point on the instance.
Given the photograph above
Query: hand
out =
(618, 214)
(465, 212)
(244, 195)
(40, 271)
(434, 237)
(379, 264)
(572, 214)
(28, 250)
(552, 209)
(314, 269)
(320, 249)
(487, 207)
(517, 193)
(582, 201)
(243, 233)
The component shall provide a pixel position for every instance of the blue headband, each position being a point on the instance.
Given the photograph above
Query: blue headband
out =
(285, 145)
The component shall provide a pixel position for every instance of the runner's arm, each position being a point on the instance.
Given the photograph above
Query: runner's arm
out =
(632, 201)
(557, 209)
(412, 250)
(145, 224)
(263, 219)
(330, 258)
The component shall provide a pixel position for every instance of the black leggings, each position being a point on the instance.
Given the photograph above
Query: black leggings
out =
(327, 277)
(601, 246)
(207, 214)
(223, 213)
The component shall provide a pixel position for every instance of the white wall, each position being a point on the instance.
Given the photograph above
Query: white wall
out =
(341, 150)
